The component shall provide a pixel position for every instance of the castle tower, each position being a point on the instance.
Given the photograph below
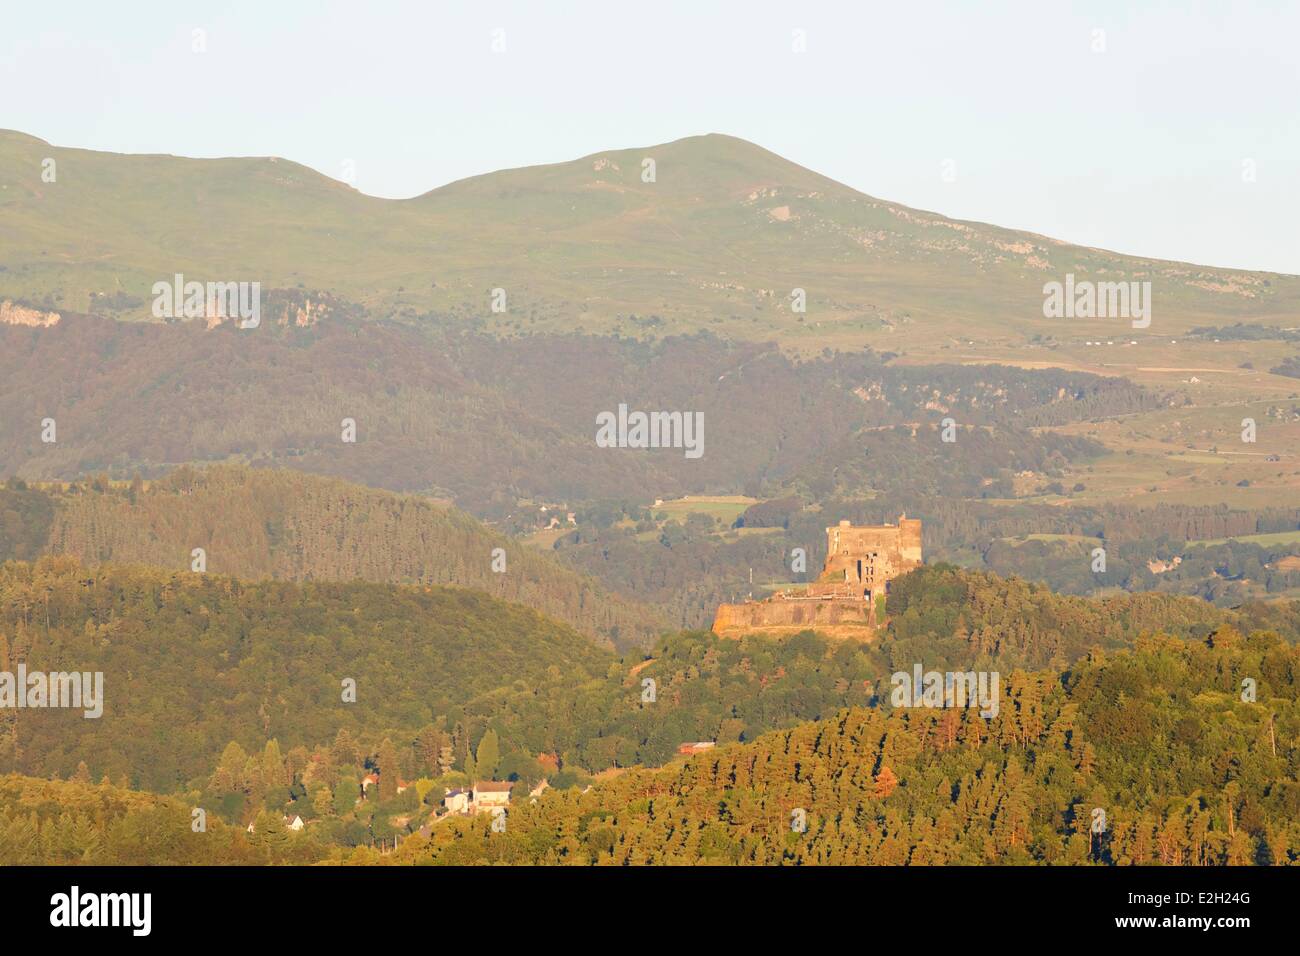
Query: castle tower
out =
(909, 540)
(861, 561)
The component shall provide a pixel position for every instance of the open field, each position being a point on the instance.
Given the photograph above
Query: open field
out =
(726, 508)
(1065, 538)
(1264, 540)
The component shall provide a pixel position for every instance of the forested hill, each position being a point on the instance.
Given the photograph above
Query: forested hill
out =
(194, 661)
(939, 616)
(44, 822)
(1155, 742)
(943, 615)
(286, 525)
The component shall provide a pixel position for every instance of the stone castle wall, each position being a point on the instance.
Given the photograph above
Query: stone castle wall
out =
(790, 613)
(860, 563)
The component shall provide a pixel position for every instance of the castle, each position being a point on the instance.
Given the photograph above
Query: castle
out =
(860, 563)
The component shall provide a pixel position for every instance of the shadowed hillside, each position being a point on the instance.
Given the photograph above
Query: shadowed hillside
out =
(492, 424)
(291, 526)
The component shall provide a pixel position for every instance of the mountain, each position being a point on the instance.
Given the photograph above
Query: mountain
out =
(289, 526)
(718, 240)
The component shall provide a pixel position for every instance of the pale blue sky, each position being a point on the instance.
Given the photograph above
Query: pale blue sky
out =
(1137, 149)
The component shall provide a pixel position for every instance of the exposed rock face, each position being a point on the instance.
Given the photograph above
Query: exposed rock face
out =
(1156, 566)
(860, 563)
(14, 314)
(291, 308)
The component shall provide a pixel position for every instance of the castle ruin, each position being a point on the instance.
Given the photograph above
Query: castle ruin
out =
(860, 563)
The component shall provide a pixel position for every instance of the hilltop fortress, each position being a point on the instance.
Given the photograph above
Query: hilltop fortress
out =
(860, 563)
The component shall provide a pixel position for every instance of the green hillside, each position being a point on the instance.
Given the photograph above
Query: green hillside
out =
(192, 662)
(61, 823)
(717, 241)
(1157, 738)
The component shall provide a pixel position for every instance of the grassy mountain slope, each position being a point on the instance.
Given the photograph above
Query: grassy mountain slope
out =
(718, 240)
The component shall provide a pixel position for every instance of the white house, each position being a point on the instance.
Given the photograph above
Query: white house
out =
(490, 794)
(294, 823)
(457, 801)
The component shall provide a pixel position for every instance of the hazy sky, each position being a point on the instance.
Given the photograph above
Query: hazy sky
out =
(1140, 148)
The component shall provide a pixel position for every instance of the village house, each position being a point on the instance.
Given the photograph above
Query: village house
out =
(1156, 566)
(487, 795)
(457, 801)
(294, 823)
(490, 794)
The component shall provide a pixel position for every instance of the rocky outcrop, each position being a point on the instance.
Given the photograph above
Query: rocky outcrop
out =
(13, 314)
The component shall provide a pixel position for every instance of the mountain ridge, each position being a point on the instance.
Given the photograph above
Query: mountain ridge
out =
(721, 238)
